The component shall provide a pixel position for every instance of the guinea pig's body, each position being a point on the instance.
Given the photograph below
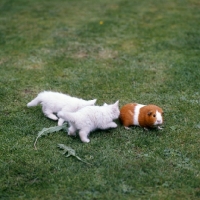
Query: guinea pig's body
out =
(147, 116)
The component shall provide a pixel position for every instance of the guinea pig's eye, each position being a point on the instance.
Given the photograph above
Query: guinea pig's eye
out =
(154, 115)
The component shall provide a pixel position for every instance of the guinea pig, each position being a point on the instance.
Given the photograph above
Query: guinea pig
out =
(146, 116)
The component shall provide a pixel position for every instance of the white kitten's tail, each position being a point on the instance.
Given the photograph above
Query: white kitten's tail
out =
(34, 102)
(67, 116)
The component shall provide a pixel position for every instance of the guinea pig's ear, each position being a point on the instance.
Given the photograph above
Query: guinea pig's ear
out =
(149, 113)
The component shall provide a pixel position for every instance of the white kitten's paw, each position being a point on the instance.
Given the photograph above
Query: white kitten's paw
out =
(52, 116)
(113, 125)
(84, 135)
(86, 140)
(126, 127)
(71, 133)
(60, 122)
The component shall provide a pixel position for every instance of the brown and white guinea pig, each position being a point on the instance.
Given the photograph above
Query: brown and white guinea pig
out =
(146, 116)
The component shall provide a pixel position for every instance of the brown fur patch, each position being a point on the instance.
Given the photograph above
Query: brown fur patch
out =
(127, 113)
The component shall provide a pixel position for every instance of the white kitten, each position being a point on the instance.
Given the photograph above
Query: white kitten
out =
(53, 102)
(90, 118)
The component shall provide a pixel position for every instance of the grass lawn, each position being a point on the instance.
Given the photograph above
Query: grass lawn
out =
(132, 51)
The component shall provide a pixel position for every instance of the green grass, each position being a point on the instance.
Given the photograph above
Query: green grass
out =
(132, 51)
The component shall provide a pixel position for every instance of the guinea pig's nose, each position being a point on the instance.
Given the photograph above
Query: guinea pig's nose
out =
(159, 121)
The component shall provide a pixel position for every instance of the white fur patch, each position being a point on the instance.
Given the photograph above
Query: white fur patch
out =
(159, 119)
(91, 118)
(136, 113)
(53, 102)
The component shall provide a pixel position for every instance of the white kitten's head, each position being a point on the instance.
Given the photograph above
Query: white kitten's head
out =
(115, 109)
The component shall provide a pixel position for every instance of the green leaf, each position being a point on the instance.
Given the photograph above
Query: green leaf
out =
(46, 131)
(70, 152)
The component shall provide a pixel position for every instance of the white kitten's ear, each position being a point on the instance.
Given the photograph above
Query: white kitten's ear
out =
(105, 104)
(93, 101)
(117, 103)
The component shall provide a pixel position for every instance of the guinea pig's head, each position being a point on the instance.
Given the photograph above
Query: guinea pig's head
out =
(154, 116)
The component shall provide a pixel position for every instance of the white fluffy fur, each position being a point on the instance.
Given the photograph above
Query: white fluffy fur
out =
(53, 102)
(159, 119)
(137, 112)
(91, 118)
